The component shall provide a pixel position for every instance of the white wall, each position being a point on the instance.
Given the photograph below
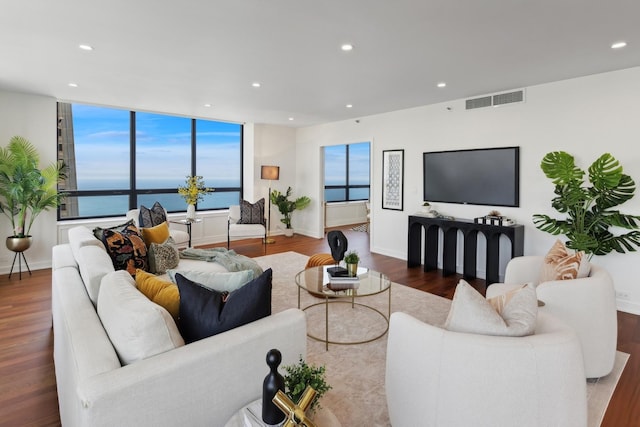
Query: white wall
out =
(276, 146)
(33, 117)
(585, 117)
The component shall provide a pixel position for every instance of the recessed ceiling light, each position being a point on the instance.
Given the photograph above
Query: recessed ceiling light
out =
(291, 118)
(442, 84)
(85, 47)
(256, 84)
(349, 106)
(618, 45)
(347, 47)
(207, 105)
(73, 85)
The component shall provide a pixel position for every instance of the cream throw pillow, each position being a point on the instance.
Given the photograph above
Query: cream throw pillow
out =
(471, 313)
(137, 327)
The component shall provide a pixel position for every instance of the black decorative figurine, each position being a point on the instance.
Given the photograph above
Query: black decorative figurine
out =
(273, 382)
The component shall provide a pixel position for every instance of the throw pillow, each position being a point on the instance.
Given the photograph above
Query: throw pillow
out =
(252, 213)
(471, 313)
(126, 249)
(137, 327)
(156, 234)
(151, 217)
(205, 312)
(559, 264)
(163, 256)
(218, 281)
(98, 230)
(162, 292)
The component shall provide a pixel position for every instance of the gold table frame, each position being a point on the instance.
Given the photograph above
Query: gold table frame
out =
(315, 279)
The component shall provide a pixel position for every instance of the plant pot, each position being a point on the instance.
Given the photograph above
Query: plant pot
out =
(19, 244)
(352, 269)
(288, 232)
(191, 212)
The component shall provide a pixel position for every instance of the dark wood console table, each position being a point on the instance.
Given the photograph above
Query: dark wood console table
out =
(469, 230)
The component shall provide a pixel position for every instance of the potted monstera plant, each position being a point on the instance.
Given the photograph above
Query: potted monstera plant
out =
(590, 209)
(26, 190)
(286, 207)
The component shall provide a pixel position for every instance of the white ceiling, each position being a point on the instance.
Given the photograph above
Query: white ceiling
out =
(175, 56)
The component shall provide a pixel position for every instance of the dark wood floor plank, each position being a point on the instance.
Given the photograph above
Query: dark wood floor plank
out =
(27, 380)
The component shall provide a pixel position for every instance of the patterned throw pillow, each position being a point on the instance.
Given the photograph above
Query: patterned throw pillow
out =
(252, 213)
(559, 264)
(98, 230)
(152, 217)
(126, 249)
(163, 256)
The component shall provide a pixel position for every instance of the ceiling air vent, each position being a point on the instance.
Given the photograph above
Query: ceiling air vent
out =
(485, 101)
(508, 98)
(495, 100)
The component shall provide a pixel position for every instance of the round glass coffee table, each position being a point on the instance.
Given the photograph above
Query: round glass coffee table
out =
(315, 280)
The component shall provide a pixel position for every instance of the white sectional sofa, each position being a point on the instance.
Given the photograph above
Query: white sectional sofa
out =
(198, 384)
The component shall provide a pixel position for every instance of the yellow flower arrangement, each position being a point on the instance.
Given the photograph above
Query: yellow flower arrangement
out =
(194, 190)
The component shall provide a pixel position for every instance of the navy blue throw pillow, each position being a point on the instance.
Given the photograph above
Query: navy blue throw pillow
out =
(205, 312)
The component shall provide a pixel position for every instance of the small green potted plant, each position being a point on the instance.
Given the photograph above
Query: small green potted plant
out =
(301, 375)
(351, 259)
(286, 207)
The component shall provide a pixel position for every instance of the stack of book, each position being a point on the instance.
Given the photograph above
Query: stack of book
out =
(339, 279)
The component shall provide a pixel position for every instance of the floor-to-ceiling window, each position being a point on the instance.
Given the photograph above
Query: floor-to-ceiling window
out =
(119, 160)
(346, 172)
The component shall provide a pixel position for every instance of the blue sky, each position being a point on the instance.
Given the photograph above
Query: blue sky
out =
(162, 147)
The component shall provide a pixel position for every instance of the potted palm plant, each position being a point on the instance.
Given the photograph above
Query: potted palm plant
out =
(25, 189)
(589, 209)
(286, 207)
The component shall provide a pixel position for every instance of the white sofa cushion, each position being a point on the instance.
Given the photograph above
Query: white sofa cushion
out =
(94, 263)
(81, 236)
(137, 327)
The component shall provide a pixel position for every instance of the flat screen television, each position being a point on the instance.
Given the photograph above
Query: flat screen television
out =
(486, 176)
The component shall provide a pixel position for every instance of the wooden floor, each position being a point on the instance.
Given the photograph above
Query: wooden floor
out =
(27, 380)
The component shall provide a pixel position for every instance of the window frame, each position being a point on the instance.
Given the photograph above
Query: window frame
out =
(133, 193)
(346, 187)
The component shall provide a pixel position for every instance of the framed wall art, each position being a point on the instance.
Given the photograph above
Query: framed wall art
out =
(392, 179)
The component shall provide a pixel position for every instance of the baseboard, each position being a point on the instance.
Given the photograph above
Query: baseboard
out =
(628, 306)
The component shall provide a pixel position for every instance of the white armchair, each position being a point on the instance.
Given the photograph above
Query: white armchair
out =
(436, 377)
(242, 231)
(180, 237)
(588, 305)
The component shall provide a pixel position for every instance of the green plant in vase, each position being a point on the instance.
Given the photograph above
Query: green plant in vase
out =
(351, 259)
(26, 190)
(286, 206)
(588, 209)
(301, 375)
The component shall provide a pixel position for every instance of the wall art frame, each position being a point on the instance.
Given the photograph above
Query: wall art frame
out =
(393, 179)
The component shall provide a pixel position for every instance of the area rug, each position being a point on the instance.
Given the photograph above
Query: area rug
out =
(362, 227)
(356, 372)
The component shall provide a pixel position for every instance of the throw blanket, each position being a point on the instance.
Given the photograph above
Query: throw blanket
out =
(227, 258)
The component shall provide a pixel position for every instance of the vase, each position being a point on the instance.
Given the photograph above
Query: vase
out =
(352, 269)
(288, 232)
(18, 244)
(191, 212)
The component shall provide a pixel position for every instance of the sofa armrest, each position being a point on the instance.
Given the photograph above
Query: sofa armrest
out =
(201, 384)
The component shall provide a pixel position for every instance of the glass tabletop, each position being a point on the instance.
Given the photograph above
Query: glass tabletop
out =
(315, 280)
